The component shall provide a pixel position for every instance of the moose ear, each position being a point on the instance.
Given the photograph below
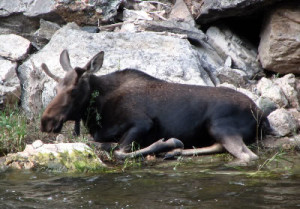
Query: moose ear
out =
(95, 63)
(65, 61)
(51, 75)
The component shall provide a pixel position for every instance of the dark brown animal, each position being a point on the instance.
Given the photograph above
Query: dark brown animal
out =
(130, 106)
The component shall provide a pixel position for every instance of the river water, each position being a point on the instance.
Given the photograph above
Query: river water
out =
(199, 182)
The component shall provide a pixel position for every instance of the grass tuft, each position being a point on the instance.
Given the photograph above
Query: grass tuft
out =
(13, 129)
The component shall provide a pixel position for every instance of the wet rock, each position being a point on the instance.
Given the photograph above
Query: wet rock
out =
(212, 10)
(14, 47)
(278, 49)
(268, 89)
(242, 53)
(282, 122)
(165, 57)
(65, 157)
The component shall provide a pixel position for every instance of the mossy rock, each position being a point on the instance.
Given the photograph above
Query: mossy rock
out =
(63, 157)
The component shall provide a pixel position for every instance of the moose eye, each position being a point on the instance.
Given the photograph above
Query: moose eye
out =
(74, 92)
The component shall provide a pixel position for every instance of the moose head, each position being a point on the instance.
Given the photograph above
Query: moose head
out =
(72, 92)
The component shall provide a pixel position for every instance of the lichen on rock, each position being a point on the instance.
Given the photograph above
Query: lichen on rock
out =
(62, 157)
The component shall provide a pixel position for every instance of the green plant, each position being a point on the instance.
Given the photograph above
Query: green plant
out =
(13, 129)
(92, 110)
(178, 163)
(135, 162)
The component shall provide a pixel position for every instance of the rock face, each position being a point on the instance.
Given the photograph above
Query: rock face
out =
(22, 17)
(10, 89)
(280, 44)
(212, 10)
(243, 54)
(282, 91)
(164, 57)
(66, 157)
(13, 49)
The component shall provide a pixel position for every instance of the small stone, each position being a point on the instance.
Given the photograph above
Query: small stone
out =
(36, 144)
(60, 138)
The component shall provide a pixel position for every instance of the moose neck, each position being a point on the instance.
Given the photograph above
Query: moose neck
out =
(103, 84)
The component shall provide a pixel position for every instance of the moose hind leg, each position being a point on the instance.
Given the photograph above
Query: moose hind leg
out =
(235, 146)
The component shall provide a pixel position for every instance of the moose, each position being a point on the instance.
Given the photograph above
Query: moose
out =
(129, 106)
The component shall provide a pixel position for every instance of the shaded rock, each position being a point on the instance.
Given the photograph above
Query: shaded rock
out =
(285, 143)
(14, 47)
(271, 90)
(242, 53)
(282, 122)
(164, 57)
(9, 95)
(66, 157)
(288, 84)
(7, 70)
(266, 105)
(212, 10)
(20, 25)
(234, 76)
(47, 29)
(10, 89)
(279, 45)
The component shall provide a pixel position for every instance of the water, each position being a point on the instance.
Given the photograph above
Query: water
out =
(192, 183)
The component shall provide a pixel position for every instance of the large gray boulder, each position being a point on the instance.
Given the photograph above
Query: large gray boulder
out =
(62, 157)
(279, 45)
(165, 57)
(14, 47)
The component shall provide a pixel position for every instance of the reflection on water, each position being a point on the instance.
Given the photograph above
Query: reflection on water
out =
(189, 185)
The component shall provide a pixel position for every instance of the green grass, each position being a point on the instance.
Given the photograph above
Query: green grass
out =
(13, 129)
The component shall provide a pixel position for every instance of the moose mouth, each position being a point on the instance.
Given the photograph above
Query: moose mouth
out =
(52, 126)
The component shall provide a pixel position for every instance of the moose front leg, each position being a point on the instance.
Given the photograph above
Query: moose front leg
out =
(76, 128)
(157, 147)
(135, 134)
